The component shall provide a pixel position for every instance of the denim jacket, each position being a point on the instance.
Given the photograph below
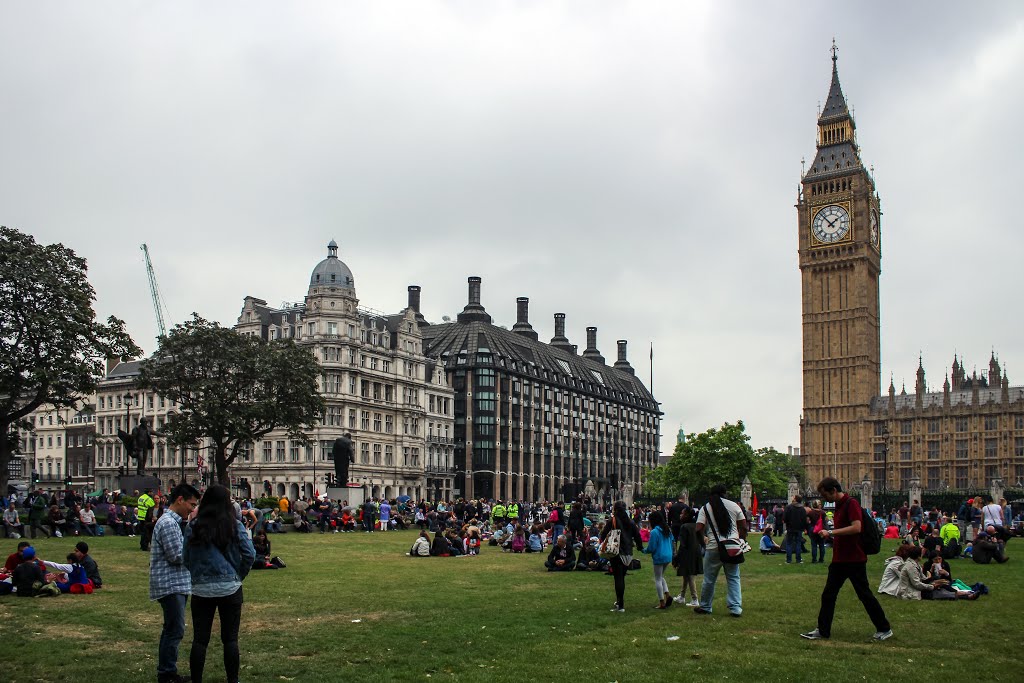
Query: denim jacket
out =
(208, 564)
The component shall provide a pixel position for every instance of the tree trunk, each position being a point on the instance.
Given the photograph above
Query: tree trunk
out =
(220, 459)
(6, 448)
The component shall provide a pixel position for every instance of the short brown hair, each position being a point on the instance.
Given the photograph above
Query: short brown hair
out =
(829, 484)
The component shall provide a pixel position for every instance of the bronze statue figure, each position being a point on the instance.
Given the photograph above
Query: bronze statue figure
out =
(343, 454)
(138, 444)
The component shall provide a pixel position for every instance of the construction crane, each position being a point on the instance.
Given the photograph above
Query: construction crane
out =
(154, 289)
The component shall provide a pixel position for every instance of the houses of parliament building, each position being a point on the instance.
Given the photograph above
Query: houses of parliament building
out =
(963, 437)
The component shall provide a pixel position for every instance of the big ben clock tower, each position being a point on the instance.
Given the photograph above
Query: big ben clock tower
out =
(839, 229)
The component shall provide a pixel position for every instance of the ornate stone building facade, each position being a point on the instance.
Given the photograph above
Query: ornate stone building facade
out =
(378, 384)
(965, 436)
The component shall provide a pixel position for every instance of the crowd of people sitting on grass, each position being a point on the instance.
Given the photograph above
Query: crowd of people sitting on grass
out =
(27, 575)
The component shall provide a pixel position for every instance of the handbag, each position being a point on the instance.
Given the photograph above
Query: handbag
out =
(730, 550)
(612, 542)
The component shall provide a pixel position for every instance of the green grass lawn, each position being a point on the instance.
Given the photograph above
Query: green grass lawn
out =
(502, 617)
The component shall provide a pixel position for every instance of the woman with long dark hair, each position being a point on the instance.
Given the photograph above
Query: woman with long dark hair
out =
(688, 560)
(629, 536)
(723, 519)
(219, 555)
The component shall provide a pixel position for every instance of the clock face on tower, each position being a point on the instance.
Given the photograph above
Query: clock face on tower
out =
(830, 224)
(874, 228)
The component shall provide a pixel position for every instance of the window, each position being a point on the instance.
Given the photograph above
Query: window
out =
(364, 421)
(376, 454)
(991, 423)
(279, 452)
(933, 449)
(879, 454)
(332, 329)
(364, 453)
(389, 455)
(906, 474)
(267, 449)
(351, 419)
(933, 478)
(961, 424)
(352, 385)
(1018, 421)
(991, 448)
(991, 472)
(906, 427)
(311, 328)
(376, 422)
(906, 452)
(933, 426)
(1018, 446)
(385, 366)
(961, 449)
(102, 402)
(879, 429)
(961, 477)
(389, 424)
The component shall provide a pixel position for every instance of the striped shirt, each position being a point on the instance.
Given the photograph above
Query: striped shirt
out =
(167, 574)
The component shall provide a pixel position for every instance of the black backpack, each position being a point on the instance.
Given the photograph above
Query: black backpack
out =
(870, 536)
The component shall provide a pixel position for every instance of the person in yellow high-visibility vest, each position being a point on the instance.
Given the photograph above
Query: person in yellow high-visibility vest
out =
(145, 521)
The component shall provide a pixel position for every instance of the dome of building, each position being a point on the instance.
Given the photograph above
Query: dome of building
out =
(332, 271)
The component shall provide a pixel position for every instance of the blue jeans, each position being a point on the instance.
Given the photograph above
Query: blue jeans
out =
(556, 531)
(817, 548)
(734, 596)
(170, 637)
(794, 544)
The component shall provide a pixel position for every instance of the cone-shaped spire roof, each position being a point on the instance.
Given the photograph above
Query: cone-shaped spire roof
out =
(835, 103)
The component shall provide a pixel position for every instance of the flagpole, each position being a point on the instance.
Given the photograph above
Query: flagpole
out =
(652, 368)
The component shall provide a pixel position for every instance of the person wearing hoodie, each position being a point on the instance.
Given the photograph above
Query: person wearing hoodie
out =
(890, 582)
(659, 547)
(421, 546)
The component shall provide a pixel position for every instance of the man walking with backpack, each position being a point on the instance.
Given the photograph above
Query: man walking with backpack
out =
(849, 561)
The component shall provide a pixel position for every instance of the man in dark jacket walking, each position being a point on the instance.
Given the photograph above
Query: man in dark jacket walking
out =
(795, 517)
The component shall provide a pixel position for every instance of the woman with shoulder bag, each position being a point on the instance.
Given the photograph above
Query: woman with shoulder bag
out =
(628, 537)
(218, 554)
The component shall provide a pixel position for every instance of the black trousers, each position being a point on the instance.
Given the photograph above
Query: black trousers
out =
(619, 572)
(230, 609)
(857, 573)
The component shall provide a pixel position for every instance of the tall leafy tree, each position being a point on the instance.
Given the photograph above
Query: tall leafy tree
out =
(717, 456)
(772, 470)
(232, 389)
(52, 348)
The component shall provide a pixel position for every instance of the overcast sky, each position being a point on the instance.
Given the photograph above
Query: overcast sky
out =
(634, 165)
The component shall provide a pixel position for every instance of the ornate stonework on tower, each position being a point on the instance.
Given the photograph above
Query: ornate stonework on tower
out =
(839, 237)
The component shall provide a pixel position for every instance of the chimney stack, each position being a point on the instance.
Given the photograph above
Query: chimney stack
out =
(474, 312)
(523, 326)
(623, 364)
(560, 341)
(414, 304)
(591, 351)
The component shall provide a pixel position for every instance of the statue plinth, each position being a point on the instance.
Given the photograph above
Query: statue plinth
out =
(129, 483)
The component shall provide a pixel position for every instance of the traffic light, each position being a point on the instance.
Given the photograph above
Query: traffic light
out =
(67, 482)
(35, 477)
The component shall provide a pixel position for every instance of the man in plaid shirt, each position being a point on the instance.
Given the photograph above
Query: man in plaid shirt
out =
(169, 580)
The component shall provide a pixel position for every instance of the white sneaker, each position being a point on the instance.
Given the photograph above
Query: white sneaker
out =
(679, 599)
(815, 635)
(693, 603)
(882, 635)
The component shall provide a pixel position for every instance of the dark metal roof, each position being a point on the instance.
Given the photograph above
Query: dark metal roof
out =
(835, 104)
(457, 344)
(837, 159)
(124, 370)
